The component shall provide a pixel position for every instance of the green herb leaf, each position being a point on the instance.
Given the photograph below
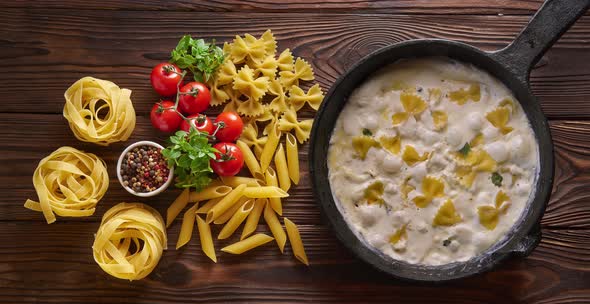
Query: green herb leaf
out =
(497, 179)
(198, 56)
(465, 150)
(190, 154)
(367, 132)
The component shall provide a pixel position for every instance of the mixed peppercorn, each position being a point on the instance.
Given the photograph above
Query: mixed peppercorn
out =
(144, 169)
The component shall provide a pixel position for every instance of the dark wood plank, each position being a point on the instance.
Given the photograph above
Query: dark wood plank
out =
(568, 207)
(55, 264)
(43, 56)
(381, 6)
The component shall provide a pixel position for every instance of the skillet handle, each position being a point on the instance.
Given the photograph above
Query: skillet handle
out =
(528, 243)
(547, 25)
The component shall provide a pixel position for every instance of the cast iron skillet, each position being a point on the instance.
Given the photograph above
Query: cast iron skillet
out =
(512, 66)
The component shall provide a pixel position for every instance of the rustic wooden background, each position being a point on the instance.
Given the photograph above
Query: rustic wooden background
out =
(47, 45)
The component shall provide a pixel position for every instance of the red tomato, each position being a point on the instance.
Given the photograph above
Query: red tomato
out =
(230, 126)
(165, 78)
(228, 161)
(164, 117)
(200, 122)
(194, 98)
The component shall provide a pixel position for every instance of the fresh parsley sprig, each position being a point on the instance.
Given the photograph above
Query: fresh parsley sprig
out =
(198, 56)
(189, 154)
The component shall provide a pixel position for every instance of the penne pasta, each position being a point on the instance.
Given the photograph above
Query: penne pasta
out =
(275, 227)
(234, 181)
(249, 158)
(254, 217)
(236, 220)
(295, 240)
(208, 205)
(179, 203)
(224, 204)
(186, 230)
(210, 192)
(247, 244)
(282, 169)
(271, 180)
(206, 239)
(264, 192)
(269, 148)
(292, 157)
(230, 212)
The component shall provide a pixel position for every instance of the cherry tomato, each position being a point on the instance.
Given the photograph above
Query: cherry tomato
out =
(230, 126)
(228, 161)
(164, 117)
(200, 122)
(194, 98)
(165, 78)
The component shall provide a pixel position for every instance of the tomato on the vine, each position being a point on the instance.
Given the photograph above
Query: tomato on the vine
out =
(229, 161)
(165, 78)
(194, 98)
(164, 117)
(200, 122)
(230, 126)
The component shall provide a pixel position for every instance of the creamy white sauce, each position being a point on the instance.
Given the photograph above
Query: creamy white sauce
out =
(371, 107)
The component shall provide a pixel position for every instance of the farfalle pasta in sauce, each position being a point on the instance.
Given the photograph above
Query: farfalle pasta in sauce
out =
(432, 161)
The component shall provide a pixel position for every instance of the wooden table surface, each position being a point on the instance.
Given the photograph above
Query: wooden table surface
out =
(47, 45)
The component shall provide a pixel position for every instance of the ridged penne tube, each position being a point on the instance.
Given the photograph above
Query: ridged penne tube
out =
(174, 210)
(264, 192)
(295, 240)
(206, 239)
(186, 230)
(269, 148)
(271, 180)
(247, 244)
(210, 192)
(249, 158)
(292, 157)
(282, 169)
(236, 220)
(275, 227)
(234, 181)
(224, 204)
(230, 212)
(254, 217)
(208, 205)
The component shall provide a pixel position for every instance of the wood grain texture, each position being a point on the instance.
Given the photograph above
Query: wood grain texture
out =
(569, 205)
(123, 46)
(55, 264)
(381, 6)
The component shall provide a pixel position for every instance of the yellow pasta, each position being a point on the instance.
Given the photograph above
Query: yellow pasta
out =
(249, 158)
(247, 48)
(247, 244)
(282, 169)
(313, 97)
(226, 216)
(234, 181)
(179, 203)
(186, 230)
(279, 103)
(264, 192)
(285, 60)
(295, 240)
(68, 182)
(269, 42)
(98, 111)
(301, 71)
(236, 220)
(269, 149)
(206, 239)
(250, 137)
(249, 85)
(271, 180)
(224, 204)
(210, 192)
(289, 122)
(117, 245)
(268, 67)
(208, 205)
(275, 227)
(254, 217)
